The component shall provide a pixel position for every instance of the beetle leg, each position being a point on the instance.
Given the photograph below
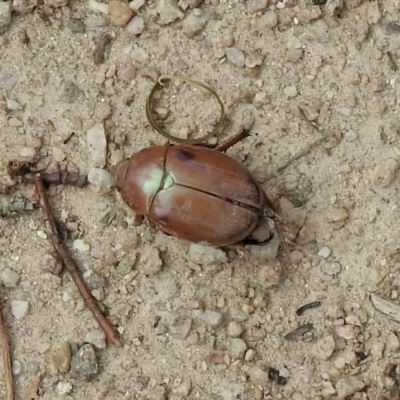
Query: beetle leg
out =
(255, 242)
(226, 144)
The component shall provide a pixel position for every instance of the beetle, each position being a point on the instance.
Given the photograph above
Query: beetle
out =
(195, 193)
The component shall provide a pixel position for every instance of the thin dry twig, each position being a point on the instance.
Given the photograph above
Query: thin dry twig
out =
(5, 346)
(71, 266)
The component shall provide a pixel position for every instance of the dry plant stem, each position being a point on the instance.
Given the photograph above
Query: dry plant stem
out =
(72, 268)
(5, 347)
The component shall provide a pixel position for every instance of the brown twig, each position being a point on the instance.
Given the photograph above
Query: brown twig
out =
(71, 266)
(25, 172)
(5, 346)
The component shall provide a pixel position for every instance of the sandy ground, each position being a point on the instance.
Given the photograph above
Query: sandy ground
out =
(294, 72)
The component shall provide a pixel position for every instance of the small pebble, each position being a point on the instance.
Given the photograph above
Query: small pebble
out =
(333, 7)
(19, 308)
(270, 274)
(258, 376)
(135, 26)
(325, 252)
(101, 180)
(12, 105)
(337, 214)
(234, 329)
(193, 24)
(49, 263)
(257, 5)
(348, 332)
(212, 318)
(180, 327)
(120, 13)
(80, 245)
(58, 154)
(150, 261)
(157, 393)
(97, 142)
(96, 338)
(63, 388)
(235, 56)
(385, 172)
(308, 14)
(56, 3)
(96, 6)
(9, 278)
(136, 5)
(250, 355)
(206, 255)
(24, 6)
(349, 385)
(29, 154)
(59, 358)
(76, 25)
(268, 21)
(168, 12)
(5, 15)
(237, 348)
(102, 110)
(183, 390)
(305, 236)
(126, 74)
(84, 363)
(290, 91)
(331, 269)
(324, 348)
(16, 367)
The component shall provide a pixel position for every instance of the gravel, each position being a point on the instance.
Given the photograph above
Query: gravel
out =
(317, 80)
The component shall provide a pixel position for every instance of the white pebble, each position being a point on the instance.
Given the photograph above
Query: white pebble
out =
(324, 348)
(58, 154)
(97, 143)
(385, 172)
(257, 5)
(96, 338)
(80, 245)
(63, 388)
(349, 385)
(193, 25)
(211, 318)
(5, 15)
(150, 261)
(135, 5)
(235, 56)
(9, 278)
(29, 154)
(325, 252)
(101, 180)
(206, 255)
(13, 105)
(258, 376)
(237, 348)
(331, 269)
(180, 327)
(268, 21)
(98, 7)
(290, 91)
(19, 308)
(135, 26)
(168, 12)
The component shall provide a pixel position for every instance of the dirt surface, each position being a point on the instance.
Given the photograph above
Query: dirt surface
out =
(292, 71)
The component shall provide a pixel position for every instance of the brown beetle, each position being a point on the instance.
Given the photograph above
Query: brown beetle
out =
(195, 193)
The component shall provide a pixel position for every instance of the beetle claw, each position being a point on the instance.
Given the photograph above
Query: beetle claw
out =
(255, 242)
